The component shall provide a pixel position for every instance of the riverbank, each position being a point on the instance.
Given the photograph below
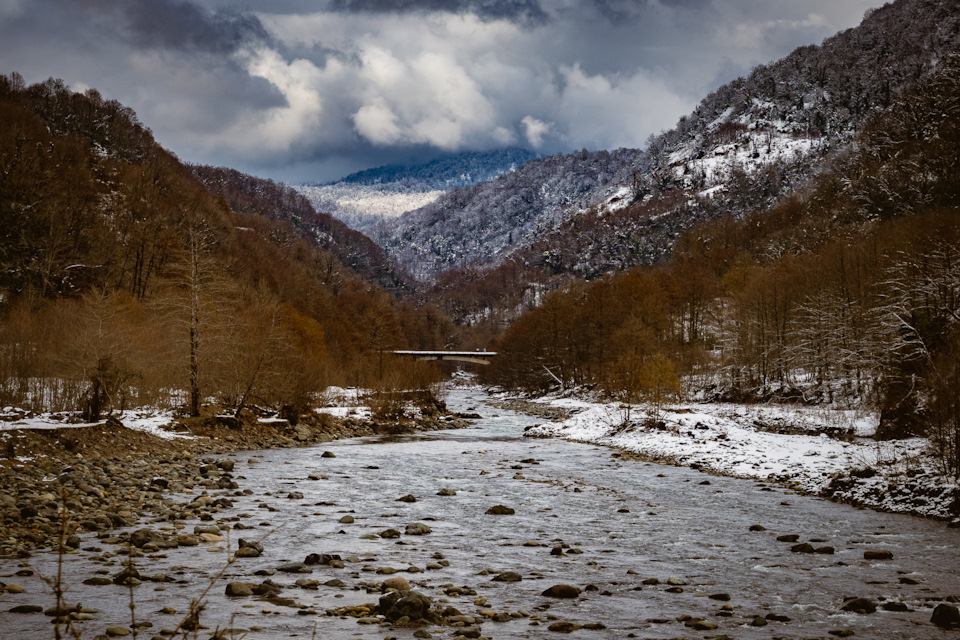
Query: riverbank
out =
(150, 464)
(814, 450)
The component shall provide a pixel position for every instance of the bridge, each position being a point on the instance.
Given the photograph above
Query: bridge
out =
(477, 357)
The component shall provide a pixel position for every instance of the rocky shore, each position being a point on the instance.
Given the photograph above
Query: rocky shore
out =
(58, 482)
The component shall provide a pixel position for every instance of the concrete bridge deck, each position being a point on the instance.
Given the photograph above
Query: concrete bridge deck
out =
(477, 357)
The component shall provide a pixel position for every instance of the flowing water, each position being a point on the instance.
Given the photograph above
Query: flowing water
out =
(632, 521)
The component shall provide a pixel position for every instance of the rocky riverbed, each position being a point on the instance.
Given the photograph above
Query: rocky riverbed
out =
(475, 533)
(106, 476)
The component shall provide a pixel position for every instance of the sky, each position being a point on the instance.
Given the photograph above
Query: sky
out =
(311, 90)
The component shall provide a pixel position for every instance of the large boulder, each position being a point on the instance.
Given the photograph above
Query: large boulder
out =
(946, 616)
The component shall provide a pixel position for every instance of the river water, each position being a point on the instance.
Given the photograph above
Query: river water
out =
(632, 521)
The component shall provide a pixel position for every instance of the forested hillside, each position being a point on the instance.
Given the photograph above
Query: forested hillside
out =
(252, 195)
(848, 292)
(484, 223)
(124, 280)
(746, 147)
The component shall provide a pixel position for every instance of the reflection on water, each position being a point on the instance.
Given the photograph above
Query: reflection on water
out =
(620, 523)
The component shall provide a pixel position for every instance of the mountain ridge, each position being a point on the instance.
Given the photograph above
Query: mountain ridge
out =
(750, 142)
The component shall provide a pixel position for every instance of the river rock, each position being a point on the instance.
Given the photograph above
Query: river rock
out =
(294, 567)
(240, 588)
(327, 454)
(446, 492)
(805, 547)
(859, 605)
(508, 576)
(268, 588)
(143, 536)
(346, 520)
(322, 559)
(562, 591)
(792, 537)
(128, 576)
(396, 582)
(500, 510)
(117, 632)
(946, 616)
(407, 498)
(27, 608)
(563, 627)
(398, 604)
(390, 533)
(879, 554)
(417, 529)
(699, 624)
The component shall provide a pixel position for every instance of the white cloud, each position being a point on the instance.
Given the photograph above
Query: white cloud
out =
(616, 111)
(535, 130)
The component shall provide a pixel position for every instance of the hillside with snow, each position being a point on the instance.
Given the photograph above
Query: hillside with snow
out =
(746, 146)
(365, 198)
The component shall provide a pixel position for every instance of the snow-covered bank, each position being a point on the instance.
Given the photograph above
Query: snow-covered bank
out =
(793, 445)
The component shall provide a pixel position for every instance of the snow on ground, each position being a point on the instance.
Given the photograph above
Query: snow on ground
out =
(792, 445)
(360, 413)
(148, 420)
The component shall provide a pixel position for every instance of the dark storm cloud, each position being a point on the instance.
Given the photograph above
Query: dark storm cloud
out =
(523, 11)
(174, 24)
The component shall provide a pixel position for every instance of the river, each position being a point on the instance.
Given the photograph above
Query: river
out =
(623, 523)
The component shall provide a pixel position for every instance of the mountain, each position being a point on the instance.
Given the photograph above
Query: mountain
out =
(126, 280)
(748, 144)
(846, 292)
(249, 194)
(364, 198)
(484, 223)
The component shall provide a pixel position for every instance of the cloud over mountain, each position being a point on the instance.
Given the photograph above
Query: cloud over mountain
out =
(311, 90)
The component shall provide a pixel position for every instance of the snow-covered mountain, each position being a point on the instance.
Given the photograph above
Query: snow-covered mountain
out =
(744, 147)
(482, 224)
(365, 198)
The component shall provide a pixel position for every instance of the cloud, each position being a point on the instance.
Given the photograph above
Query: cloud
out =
(525, 11)
(177, 24)
(615, 111)
(534, 130)
(288, 87)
